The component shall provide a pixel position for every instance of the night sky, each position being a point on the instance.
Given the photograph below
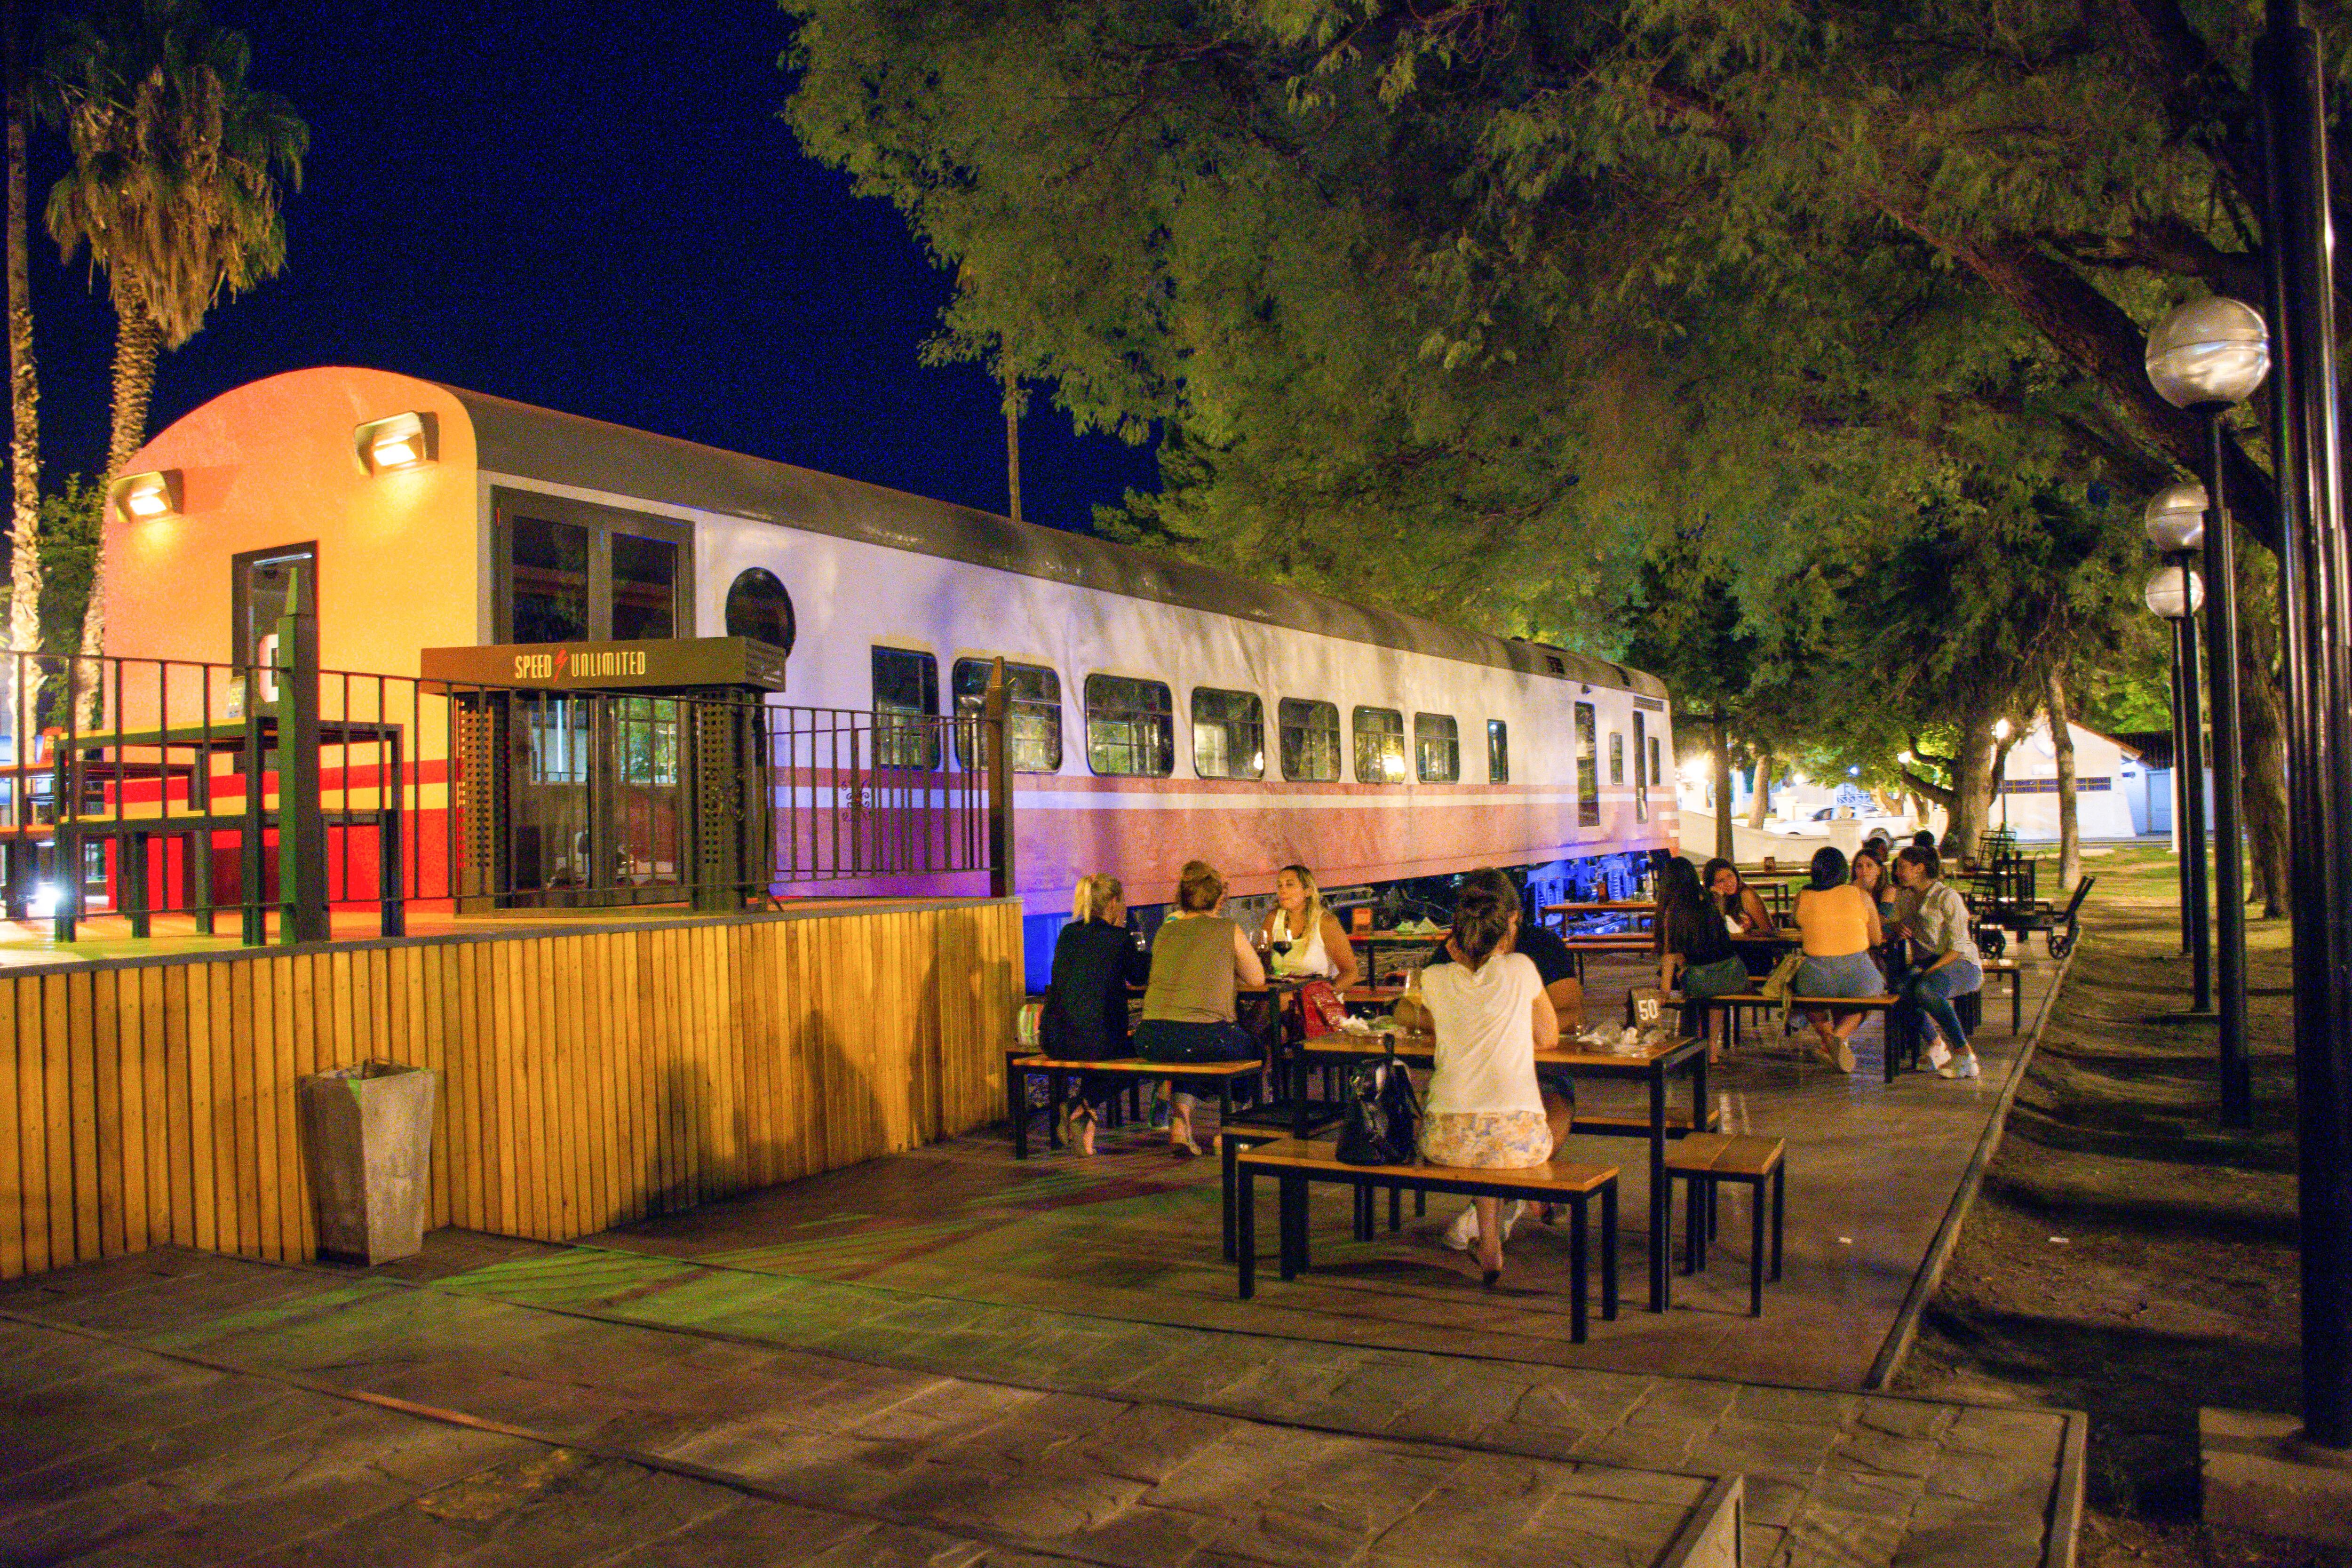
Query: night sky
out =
(591, 207)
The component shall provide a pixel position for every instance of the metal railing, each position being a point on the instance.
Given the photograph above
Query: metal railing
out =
(279, 793)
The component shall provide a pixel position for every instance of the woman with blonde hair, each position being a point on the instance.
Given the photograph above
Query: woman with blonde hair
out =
(1198, 962)
(1303, 937)
(1085, 1016)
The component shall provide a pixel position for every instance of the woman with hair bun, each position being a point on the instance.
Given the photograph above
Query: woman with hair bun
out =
(1085, 1016)
(1198, 962)
(1485, 1107)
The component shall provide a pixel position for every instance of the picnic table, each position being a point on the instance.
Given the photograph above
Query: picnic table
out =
(1653, 1064)
(1558, 915)
(1369, 943)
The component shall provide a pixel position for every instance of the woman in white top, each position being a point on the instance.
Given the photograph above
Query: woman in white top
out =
(1491, 1015)
(1303, 937)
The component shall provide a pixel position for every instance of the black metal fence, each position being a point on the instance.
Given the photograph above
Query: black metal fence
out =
(282, 793)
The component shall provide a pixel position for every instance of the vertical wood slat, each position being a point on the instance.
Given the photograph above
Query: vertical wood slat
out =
(586, 1078)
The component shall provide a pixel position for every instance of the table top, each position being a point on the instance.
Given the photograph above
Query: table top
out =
(1664, 1051)
(229, 735)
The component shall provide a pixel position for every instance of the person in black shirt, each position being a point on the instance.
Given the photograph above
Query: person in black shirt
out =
(1085, 1016)
(1696, 946)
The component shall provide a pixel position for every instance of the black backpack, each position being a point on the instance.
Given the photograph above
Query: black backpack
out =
(1384, 1116)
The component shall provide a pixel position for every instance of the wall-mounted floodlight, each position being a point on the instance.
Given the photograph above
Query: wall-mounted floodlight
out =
(144, 497)
(403, 441)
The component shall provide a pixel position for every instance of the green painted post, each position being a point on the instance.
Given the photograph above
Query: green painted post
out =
(301, 824)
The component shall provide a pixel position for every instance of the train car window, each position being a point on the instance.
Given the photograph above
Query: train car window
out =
(1032, 713)
(1616, 757)
(1130, 726)
(1228, 734)
(1379, 746)
(1498, 751)
(906, 708)
(1641, 768)
(1436, 748)
(1588, 769)
(1654, 759)
(758, 607)
(1310, 740)
(645, 587)
(550, 565)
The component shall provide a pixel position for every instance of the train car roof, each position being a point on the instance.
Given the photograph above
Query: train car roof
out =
(527, 443)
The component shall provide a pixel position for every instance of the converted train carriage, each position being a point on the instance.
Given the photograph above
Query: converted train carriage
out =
(1163, 711)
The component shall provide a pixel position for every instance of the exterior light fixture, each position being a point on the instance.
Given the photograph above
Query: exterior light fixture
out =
(2174, 517)
(2001, 730)
(2210, 352)
(145, 497)
(401, 441)
(2174, 592)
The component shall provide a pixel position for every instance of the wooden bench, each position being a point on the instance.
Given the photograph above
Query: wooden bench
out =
(1706, 1161)
(1295, 1166)
(1733, 1001)
(1022, 1064)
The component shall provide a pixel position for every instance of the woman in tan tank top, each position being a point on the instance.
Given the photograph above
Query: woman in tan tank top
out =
(1198, 961)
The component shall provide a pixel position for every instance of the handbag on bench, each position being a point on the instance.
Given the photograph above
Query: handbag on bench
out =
(1382, 1121)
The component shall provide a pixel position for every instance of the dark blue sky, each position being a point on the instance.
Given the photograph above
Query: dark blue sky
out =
(591, 206)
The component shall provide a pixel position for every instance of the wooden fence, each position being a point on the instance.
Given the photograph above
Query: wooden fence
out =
(587, 1078)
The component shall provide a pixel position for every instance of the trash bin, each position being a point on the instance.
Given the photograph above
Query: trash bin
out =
(370, 1132)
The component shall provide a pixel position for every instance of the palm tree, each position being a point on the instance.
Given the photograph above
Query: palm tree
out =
(173, 186)
(23, 395)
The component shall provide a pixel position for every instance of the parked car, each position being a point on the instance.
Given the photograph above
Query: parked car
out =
(1816, 824)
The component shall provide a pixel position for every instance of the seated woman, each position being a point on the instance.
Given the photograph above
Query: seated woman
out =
(1743, 913)
(1483, 1106)
(1198, 961)
(1305, 939)
(1695, 950)
(1839, 923)
(1944, 950)
(1870, 875)
(1084, 1018)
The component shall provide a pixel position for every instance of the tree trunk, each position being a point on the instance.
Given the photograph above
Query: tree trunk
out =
(2262, 718)
(136, 342)
(1012, 444)
(1760, 807)
(1720, 739)
(22, 677)
(2061, 744)
(1972, 782)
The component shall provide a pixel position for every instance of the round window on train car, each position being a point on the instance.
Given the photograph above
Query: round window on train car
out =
(758, 606)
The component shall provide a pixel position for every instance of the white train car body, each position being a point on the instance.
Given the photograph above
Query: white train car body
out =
(431, 557)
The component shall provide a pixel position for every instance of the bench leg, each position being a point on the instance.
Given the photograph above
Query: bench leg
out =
(1225, 1105)
(1363, 1211)
(1420, 1203)
(1057, 1092)
(1294, 1226)
(1662, 1216)
(1779, 1209)
(1016, 1106)
(1694, 1230)
(1396, 1210)
(2016, 1003)
(1609, 1253)
(1577, 1272)
(1244, 1217)
(1229, 1161)
(1756, 1254)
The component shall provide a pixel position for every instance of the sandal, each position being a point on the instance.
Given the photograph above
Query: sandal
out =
(1180, 1137)
(1081, 1135)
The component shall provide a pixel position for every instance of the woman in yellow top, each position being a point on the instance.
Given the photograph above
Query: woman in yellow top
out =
(1839, 924)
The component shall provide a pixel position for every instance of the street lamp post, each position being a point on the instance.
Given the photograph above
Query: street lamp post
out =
(2315, 578)
(2208, 357)
(2175, 594)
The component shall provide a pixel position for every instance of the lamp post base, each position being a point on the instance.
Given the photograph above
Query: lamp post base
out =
(2262, 1477)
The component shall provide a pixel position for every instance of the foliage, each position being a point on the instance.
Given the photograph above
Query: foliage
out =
(173, 184)
(72, 523)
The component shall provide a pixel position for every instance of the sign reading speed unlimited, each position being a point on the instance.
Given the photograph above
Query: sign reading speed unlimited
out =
(663, 665)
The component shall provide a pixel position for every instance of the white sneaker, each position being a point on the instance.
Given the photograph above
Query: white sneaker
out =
(1939, 1053)
(1463, 1234)
(1968, 1068)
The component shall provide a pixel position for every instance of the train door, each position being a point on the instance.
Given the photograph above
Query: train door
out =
(596, 810)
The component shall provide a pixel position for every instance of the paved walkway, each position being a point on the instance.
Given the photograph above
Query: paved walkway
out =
(946, 1358)
(572, 1404)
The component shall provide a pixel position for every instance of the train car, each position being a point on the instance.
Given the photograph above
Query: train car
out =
(1161, 710)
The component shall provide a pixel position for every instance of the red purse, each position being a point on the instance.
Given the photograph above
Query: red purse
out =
(1321, 1011)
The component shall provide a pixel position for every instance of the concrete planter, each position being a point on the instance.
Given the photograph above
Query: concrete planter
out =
(369, 1129)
